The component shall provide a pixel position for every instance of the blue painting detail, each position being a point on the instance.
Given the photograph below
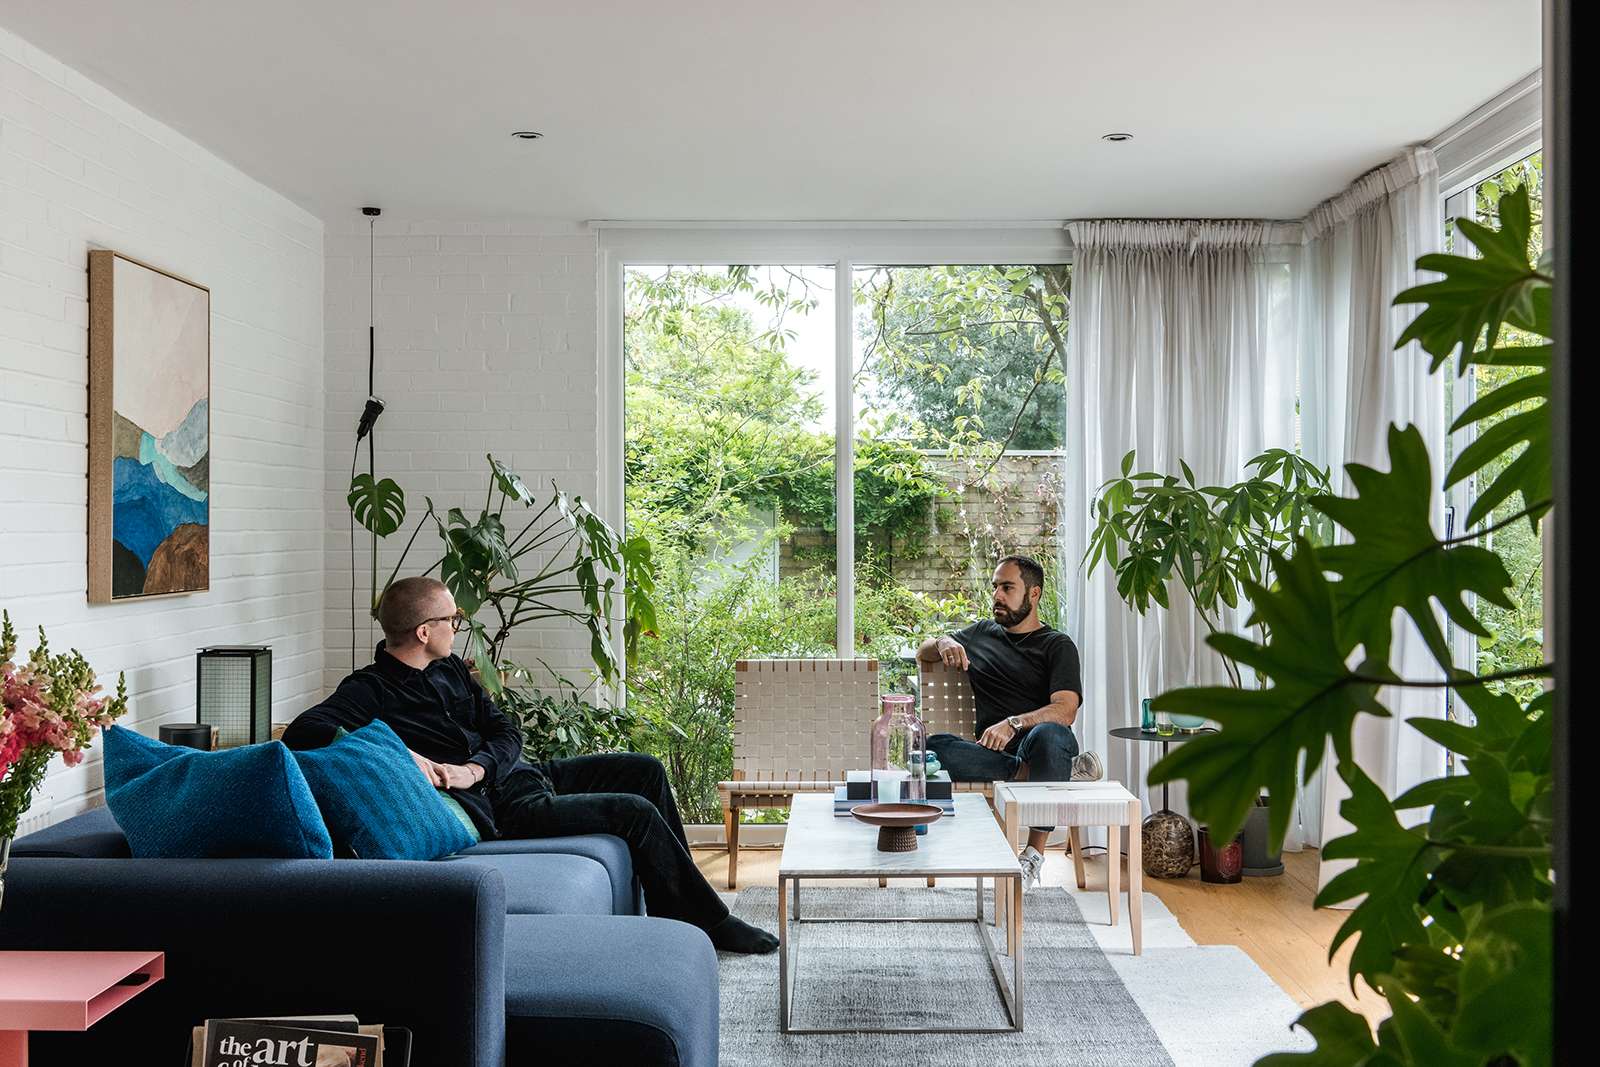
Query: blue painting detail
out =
(150, 453)
(146, 509)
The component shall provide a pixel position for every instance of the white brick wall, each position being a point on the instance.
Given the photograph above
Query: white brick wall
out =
(486, 342)
(82, 169)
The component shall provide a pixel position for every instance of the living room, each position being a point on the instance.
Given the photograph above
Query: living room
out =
(738, 371)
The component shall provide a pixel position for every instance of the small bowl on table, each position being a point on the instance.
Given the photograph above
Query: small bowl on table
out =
(897, 823)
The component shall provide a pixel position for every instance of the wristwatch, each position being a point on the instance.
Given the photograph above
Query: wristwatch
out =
(1015, 722)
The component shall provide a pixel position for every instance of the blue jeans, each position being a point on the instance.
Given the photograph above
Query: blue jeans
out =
(1047, 750)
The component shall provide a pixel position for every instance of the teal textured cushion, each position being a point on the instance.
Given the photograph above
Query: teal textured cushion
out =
(181, 803)
(375, 800)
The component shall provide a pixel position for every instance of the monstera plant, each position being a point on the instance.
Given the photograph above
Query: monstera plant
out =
(1454, 877)
(563, 561)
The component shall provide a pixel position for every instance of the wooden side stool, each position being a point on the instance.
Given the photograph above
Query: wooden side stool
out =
(1019, 805)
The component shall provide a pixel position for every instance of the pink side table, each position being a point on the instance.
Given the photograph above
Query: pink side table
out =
(66, 991)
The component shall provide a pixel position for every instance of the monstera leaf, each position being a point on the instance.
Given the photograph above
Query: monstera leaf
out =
(1477, 296)
(1394, 560)
(1467, 309)
(1313, 695)
(1393, 865)
(1343, 1040)
(510, 482)
(379, 506)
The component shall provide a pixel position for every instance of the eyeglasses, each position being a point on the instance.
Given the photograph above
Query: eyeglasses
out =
(458, 621)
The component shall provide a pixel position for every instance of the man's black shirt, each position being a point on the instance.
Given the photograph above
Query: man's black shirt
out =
(1013, 674)
(439, 712)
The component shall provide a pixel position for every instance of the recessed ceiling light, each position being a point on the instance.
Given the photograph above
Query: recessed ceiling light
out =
(528, 135)
(1116, 137)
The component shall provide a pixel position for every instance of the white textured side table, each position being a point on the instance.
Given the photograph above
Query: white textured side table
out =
(1018, 805)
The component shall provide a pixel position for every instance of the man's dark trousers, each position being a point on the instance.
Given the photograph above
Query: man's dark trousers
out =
(624, 794)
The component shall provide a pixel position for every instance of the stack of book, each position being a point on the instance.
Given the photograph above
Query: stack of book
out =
(853, 793)
(339, 1040)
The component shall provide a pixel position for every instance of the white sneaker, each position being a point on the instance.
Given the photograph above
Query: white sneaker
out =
(1086, 767)
(1032, 866)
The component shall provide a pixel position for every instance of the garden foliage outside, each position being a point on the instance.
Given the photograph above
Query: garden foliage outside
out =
(729, 452)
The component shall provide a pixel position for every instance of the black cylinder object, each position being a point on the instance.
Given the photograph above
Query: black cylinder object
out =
(187, 734)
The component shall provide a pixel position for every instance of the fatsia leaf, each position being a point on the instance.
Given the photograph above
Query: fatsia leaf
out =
(1506, 986)
(1394, 559)
(379, 506)
(1313, 696)
(1391, 873)
(1477, 295)
(1343, 1040)
(1420, 1038)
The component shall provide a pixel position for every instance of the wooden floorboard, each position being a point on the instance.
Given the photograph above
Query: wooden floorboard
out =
(1271, 919)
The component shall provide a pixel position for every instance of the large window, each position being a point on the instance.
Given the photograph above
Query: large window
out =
(739, 382)
(1518, 639)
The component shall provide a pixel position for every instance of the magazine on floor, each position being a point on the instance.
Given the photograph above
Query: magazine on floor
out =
(325, 1041)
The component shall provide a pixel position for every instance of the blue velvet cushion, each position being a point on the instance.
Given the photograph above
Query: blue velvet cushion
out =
(181, 803)
(376, 801)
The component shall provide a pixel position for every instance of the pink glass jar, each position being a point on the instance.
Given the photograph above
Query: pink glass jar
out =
(900, 743)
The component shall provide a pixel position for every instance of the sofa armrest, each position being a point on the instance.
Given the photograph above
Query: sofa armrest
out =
(407, 944)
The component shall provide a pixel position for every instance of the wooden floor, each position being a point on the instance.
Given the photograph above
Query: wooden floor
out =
(1271, 919)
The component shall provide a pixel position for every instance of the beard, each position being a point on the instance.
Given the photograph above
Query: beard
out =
(1009, 616)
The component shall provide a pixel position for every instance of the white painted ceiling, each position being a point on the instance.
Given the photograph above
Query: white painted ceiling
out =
(806, 110)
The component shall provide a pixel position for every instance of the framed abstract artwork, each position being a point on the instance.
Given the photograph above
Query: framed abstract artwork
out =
(149, 431)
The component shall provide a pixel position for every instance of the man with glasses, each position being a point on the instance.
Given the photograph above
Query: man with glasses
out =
(463, 743)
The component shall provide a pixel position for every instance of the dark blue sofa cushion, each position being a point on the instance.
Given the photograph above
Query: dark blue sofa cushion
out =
(609, 990)
(181, 803)
(91, 835)
(549, 884)
(610, 852)
(376, 802)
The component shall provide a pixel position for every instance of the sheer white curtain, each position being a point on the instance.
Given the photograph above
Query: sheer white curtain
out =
(1177, 349)
(1360, 250)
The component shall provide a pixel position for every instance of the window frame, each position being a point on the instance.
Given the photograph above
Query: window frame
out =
(843, 247)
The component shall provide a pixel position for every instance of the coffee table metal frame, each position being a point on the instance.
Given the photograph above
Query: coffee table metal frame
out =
(1006, 878)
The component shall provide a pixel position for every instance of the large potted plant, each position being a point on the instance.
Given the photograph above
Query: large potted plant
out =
(1454, 924)
(561, 562)
(1155, 529)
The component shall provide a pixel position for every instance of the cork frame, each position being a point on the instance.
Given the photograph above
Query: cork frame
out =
(149, 499)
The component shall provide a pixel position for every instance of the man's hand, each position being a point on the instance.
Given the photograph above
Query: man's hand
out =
(997, 736)
(952, 653)
(433, 772)
(460, 775)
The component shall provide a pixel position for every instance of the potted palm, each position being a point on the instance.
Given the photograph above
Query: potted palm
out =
(1214, 541)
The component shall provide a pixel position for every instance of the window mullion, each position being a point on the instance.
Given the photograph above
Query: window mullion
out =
(844, 455)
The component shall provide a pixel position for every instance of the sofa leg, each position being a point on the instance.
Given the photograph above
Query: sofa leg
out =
(730, 827)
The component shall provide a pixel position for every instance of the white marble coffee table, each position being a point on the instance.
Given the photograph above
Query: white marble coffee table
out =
(820, 844)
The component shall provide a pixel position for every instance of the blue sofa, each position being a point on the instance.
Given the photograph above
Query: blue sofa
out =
(512, 952)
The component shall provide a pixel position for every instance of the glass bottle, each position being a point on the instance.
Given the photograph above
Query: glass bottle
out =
(900, 743)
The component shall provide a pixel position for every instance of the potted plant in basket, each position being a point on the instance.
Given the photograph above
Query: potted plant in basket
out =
(51, 704)
(1215, 541)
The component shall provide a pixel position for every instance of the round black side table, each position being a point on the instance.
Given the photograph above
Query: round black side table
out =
(1167, 837)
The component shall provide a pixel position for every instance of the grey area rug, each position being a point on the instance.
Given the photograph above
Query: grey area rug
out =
(1076, 1008)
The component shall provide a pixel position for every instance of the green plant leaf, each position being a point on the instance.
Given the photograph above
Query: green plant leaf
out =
(1313, 695)
(1343, 1040)
(1507, 986)
(1393, 865)
(1477, 295)
(1420, 1038)
(510, 482)
(1528, 474)
(379, 506)
(1394, 560)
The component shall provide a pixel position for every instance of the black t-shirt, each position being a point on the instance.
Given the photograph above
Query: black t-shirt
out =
(1013, 674)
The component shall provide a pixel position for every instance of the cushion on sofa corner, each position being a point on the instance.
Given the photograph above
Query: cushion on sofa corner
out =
(375, 800)
(173, 802)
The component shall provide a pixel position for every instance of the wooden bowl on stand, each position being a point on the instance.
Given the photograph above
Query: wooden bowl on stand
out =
(897, 823)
